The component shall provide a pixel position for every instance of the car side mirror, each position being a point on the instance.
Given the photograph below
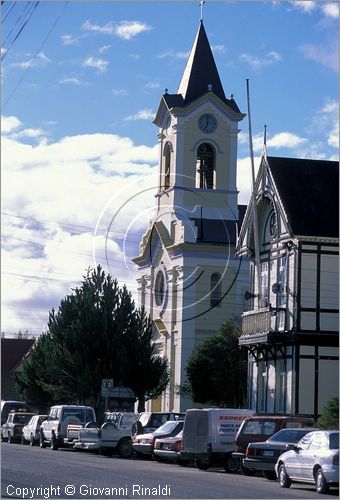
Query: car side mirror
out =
(293, 447)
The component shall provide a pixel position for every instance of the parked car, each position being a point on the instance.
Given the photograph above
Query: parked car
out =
(11, 430)
(314, 459)
(263, 456)
(114, 435)
(143, 444)
(169, 449)
(150, 421)
(209, 436)
(55, 429)
(260, 428)
(8, 406)
(31, 431)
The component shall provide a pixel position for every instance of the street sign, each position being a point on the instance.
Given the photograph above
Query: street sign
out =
(107, 385)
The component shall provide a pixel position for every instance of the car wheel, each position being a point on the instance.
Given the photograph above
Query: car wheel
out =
(230, 464)
(284, 480)
(246, 471)
(10, 438)
(269, 474)
(32, 443)
(201, 465)
(320, 482)
(124, 448)
(53, 443)
(42, 443)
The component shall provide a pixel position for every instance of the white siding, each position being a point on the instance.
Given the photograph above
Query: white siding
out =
(306, 386)
(308, 280)
(329, 282)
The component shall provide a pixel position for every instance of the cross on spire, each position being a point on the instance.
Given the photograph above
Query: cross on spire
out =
(201, 3)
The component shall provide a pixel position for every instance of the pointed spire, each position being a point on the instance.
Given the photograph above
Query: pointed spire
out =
(201, 71)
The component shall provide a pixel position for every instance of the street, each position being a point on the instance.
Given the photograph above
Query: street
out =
(31, 472)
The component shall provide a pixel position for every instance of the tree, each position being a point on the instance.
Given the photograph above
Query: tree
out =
(217, 370)
(329, 418)
(96, 333)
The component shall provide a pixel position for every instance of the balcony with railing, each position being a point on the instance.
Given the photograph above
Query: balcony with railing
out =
(258, 324)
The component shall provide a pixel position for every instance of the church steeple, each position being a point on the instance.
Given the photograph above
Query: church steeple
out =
(201, 71)
(200, 76)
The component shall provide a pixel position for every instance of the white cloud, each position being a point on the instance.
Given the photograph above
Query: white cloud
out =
(9, 123)
(124, 30)
(172, 53)
(259, 62)
(327, 56)
(218, 48)
(129, 29)
(153, 85)
(35, 62)
(62, 190)
(143, 114)
(73, 81)
(69, 40)
(29, 132)
(285, 140)
(99, 64)
(119, 92)
(104, 48)
(304, 5)
(107, 29)
(331, 10)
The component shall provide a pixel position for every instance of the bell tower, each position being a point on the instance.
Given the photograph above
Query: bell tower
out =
(189, 279)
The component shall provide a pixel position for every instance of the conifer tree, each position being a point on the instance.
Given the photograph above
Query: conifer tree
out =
(97, 333)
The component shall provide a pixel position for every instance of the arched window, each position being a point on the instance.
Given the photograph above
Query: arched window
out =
(167, 165)
(205, 166)
(215, 290)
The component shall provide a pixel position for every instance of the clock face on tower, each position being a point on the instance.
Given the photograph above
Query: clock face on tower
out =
(207, 123)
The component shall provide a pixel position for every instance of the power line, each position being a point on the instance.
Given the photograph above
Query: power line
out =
(37, 52)
(13, 4)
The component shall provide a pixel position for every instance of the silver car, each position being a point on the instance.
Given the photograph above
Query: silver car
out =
(30, 432)
(314, 459)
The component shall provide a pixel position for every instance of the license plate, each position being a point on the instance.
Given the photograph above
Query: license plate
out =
(165, 446)
(268, 453)
(144, 441)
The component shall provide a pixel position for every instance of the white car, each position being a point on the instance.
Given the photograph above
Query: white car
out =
(314, 459)
(143, 444)
(30, 432)
(54, 430)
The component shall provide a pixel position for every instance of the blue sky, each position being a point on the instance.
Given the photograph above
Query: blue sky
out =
(80, 87)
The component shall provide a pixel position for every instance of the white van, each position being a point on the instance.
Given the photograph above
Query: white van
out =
(209, 436)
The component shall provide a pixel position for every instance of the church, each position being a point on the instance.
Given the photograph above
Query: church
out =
(190, 280)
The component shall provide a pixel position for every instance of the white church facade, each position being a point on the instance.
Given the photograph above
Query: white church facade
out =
(190, 280)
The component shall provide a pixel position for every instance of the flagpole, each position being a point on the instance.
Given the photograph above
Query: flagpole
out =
(255, 218)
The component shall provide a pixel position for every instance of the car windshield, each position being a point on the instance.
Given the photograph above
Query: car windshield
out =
(79, 413)
(264, 427)
(289, 435)
(334, 441)
(166, 428)
(21, 419)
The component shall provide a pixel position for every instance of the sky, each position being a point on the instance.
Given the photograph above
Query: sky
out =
(81, 83)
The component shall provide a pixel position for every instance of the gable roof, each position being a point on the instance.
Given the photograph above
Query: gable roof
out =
(199, 73)
(309, 191)
(13, 352)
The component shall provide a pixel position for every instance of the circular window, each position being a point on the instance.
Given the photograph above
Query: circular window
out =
(160, 288)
